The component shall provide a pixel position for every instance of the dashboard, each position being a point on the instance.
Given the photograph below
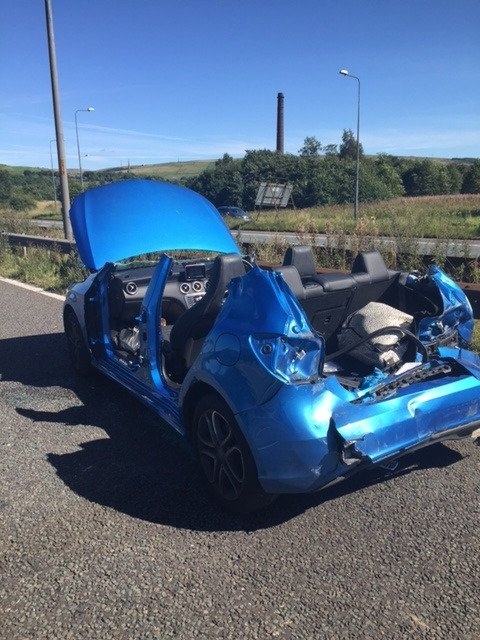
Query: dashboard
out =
(187, 284)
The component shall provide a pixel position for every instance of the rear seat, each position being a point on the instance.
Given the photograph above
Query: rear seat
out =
(324, 297)
(301, 257)
(329, 298)
(372, 279)
(326, 310)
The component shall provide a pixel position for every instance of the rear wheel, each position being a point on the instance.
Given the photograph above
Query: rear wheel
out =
(225, 458)
(77, 349)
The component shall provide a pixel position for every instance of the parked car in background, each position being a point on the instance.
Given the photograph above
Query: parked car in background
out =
(284, 380)
(234, 212)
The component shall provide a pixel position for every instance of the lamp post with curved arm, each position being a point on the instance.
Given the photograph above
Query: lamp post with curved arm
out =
(78, 142)
(344, 72)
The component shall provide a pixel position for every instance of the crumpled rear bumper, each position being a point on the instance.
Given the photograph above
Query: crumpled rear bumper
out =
(309, 435)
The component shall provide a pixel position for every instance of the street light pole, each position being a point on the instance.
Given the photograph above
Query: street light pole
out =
(344, 72)
(78, 142)
(53, 176)
(62, 167)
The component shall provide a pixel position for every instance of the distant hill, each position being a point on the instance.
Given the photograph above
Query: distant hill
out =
(167, 170)
(172, 170)
(20, 170)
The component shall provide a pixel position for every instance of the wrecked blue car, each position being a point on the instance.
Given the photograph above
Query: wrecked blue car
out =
(284, 380)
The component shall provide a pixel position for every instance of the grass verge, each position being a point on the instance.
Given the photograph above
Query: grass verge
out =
(476, 336)
(443, 217)
(48, 269)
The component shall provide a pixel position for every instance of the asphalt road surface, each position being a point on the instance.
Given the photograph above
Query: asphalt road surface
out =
(105, 531)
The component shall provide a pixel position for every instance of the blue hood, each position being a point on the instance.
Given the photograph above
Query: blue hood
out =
(133, 217)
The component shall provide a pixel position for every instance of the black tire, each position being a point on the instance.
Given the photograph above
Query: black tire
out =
(225, 458)
(77, 349)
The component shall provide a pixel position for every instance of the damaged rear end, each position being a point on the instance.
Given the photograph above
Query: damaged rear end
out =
(312, 417)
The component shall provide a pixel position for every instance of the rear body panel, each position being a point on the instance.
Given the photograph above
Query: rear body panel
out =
(456, 313)
(305, 435)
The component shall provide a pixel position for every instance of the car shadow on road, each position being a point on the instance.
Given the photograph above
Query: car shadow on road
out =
(141, 467)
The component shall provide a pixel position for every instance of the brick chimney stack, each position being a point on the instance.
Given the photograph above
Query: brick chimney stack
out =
(280, 100)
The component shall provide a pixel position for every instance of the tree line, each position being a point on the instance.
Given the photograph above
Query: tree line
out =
(325, 175)
(319, 175)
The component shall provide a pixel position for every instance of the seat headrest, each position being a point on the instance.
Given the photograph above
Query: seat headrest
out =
(301, 257)
(225, 267)
(370, 262)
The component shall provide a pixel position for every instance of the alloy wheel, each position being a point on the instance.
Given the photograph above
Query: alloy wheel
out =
(220, 454)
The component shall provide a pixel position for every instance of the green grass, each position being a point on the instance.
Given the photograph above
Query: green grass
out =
(15, 222)
(455, 216)
(172, 170)
(45, 210)
(50, 270)
(405, 219)
(19, 170)
(476, 336)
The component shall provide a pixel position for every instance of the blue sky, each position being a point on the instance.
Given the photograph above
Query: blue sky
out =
(194, 79)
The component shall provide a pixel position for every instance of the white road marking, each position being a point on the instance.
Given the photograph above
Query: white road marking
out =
(30, 287)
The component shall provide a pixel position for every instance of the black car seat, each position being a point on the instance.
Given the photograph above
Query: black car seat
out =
(372, 279)
(191, 328)
(301, 257)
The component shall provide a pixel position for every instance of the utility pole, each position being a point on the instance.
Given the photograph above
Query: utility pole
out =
(62, 168)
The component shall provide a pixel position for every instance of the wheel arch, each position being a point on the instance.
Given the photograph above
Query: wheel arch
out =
(68, 310)
(197, 390)
(249, 494)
